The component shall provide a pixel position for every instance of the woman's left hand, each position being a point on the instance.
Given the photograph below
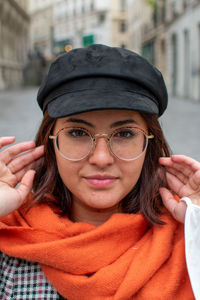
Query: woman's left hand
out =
(183, 177)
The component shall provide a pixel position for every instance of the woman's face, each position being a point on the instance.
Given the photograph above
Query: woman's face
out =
(99, 182)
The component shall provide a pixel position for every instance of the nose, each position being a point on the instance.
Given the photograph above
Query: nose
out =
(101, 155)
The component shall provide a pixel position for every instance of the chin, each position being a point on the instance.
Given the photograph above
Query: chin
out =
(103, 205)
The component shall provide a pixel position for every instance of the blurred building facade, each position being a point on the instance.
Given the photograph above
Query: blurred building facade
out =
(147, 31)
(60, 25)
(14, 37)
(57, 25)
(183, 52)
(41, 41)
(41, 30)
(167, 32)
(80, 23)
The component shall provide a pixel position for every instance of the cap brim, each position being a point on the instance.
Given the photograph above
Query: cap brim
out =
(89, 100)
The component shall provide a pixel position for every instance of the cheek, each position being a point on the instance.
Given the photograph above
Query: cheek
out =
(131, 171)
(66, 168)
(69, 172)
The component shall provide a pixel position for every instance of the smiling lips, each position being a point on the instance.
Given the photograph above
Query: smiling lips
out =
(101, 180)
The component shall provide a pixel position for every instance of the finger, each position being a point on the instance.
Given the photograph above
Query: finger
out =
(177, 209)
(185, 164)
(25, 159)
(180, 158)
(178, 187)
(26, 185)
(182, 177)
(193, 180)
(8, 154)
(195, 164)
(17, 197)
(6, 140)
(174, 183)
(180, 162)
(196, 179)
(32, 166)
(185, 169)
(185, 173)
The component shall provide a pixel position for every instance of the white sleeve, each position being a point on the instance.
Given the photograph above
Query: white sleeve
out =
(192, 244)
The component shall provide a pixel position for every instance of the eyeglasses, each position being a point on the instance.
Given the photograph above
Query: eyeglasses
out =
(76, 143)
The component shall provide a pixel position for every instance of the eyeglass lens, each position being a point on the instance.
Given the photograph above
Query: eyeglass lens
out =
(125, 143)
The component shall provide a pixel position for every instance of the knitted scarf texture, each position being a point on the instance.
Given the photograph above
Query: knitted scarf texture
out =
(124, 258)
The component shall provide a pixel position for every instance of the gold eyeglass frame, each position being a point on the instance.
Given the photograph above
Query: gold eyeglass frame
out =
(99, 135)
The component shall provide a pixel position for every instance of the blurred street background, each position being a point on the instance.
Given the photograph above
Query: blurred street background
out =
(20, 116)
(166, 32)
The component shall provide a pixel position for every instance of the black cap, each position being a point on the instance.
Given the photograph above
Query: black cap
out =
(102, 77)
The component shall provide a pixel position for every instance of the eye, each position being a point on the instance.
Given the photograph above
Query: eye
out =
(76, 132)
(125, 133)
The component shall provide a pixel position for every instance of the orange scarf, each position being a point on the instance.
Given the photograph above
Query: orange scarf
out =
(122, 259)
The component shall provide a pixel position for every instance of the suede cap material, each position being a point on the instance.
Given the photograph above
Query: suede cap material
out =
(102, 77)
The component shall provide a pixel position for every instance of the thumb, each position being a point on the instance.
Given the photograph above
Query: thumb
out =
(25, 185)
(176, 208)
(13, 198)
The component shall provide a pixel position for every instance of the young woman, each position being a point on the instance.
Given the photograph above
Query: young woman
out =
(88, 219)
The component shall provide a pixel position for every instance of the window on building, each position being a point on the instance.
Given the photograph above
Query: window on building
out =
(92, 5)
(122, 26)
(163, 11)
(163, 47)
(186, 3)
(123, 5)
(74, 9)
(174, 64)
(186, 63)
(101, 18)
(174, 8)
(83, 7)
(148, 51)
(155, 13)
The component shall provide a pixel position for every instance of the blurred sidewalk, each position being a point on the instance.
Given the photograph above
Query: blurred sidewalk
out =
(20, 116)
(181, 125)
(19, 113)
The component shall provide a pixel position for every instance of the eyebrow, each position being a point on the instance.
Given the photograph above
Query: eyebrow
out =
(123, 122)
(113, 125)
(81, 121)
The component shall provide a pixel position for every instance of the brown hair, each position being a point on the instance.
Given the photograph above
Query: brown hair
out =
(48, 186)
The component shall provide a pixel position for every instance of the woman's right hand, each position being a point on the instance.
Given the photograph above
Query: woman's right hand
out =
(16, 167)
